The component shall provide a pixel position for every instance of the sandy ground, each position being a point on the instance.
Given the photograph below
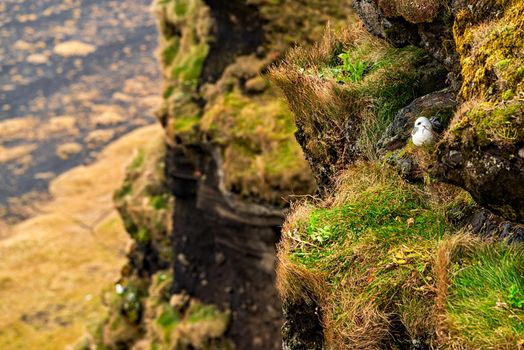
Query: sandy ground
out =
(55, 266)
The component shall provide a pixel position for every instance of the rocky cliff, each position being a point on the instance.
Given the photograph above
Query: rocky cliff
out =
(205, 211)
(387, 245)
(409, 247)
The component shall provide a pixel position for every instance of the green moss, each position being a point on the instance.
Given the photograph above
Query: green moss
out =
(260, 150)
(138, 161)
(124, 191)
(484, 304)
(491, 51)
(187, 69)
(181, 7)
(168, 318)
(186, 123)
(141, 236)
(170, 51)
(168, 92)
(201, 312)
(159, 202)
(502, 123)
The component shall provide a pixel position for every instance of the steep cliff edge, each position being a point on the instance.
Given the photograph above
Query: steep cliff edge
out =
(400, 247)
(399, 253)
(232, 164)
(232, 160)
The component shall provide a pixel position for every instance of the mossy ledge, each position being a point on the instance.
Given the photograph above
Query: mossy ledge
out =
(385, 262)
(388, 270)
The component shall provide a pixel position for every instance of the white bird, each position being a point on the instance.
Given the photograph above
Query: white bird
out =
(423, 133)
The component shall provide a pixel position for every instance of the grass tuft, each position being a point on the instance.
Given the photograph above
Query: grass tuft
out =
(386, 266)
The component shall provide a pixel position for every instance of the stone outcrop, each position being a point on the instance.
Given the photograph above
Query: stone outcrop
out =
(373, 261)
(346, 261)
(232, 164)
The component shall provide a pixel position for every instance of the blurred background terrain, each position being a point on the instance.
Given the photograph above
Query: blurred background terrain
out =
(74, 75)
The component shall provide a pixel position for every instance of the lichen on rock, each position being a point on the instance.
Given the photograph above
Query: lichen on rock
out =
(480, 151)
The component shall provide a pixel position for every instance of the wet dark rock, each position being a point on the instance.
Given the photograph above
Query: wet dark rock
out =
(225, 249)
(493, 176)
(486, 224)
(302, 328)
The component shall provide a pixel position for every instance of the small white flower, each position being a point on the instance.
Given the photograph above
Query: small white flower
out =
(119, 289)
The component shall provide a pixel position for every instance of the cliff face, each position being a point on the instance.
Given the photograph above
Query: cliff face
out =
(402, 247)
(232, 161)
(401, 253)
(232, 164)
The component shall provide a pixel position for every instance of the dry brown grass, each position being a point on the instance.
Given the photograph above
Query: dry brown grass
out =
(322, 108)
(296, 283)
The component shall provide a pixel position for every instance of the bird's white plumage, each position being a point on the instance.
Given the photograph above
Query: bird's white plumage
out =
(422, 133)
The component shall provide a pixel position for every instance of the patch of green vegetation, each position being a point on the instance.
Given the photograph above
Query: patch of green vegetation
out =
(378, 215)
(170, 51)
(371, 246)
(168, 318)
(493, 122)
(199, 312)
(168, 91)
(187, 69)
(181, 7)
(492, 46)
(160, 201)
(379, 249)
(141, 236)
(351, 70)
(486, 297)
(350, 81)
(261, 156)
(516, 296)
(186, 123)
(138, 161)
(491, 61)
(124, 191)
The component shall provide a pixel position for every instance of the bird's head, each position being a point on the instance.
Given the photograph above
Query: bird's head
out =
(423, 122)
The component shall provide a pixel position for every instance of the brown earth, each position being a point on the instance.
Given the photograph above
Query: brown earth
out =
(56, 265)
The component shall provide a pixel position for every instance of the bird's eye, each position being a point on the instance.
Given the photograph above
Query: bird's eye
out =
(419, 123)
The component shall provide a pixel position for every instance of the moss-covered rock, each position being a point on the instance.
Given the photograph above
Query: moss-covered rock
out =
(234, 43)
(345, 92)
(145, 205)
(124, 324)
(382, 262)
(180, 322)
(481, 150)
(423, 23)
(260, 152)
